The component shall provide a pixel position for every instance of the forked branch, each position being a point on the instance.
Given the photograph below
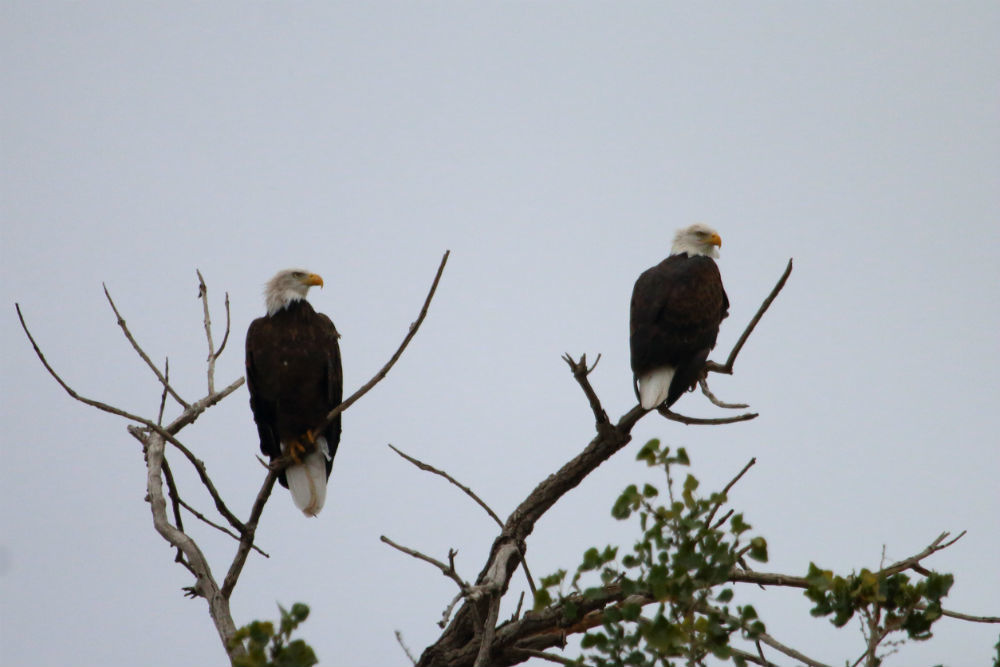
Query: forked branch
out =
(154, 436)
(727, 368)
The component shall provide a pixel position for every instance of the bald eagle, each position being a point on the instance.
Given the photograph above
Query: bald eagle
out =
(677, 306)
(295, 379)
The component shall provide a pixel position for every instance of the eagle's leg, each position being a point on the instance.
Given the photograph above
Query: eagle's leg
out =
(295, 449)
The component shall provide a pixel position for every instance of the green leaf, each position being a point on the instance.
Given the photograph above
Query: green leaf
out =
(296, 654)
(663, 635)
(649, 451)
(758, 549)
(627, 503)
(542, 599)
(631, 611)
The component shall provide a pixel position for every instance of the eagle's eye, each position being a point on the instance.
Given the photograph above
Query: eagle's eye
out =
(298, 274)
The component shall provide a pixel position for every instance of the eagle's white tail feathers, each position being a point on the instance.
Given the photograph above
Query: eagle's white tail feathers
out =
(654, 387)
(307, 480)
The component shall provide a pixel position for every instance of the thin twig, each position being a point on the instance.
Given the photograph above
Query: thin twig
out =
(703, 382)
(723, 519)
(772, 642)
(933, 547)
(395, 357)
(724, 496)
(967, 617)
(104, 407)
(469, 492)
(225, 338)
(580, 373)
(728, 367)
(203, 295)
(448, 571)
(446, 614)
(203, 475)
(175, 503)
(142, 353)
(204, 519)
(534, 653)
(760, 650)
(247, 535)
(517, 612)
(757, 659)
(166, 387)
(399, 638)
(697, 421)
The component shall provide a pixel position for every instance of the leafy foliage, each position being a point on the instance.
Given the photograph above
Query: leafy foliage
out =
(678, 566)
(269, 648)
(891, 601)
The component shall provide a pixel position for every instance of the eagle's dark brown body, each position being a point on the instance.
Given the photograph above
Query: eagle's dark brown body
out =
(294, 376)
(676, 309)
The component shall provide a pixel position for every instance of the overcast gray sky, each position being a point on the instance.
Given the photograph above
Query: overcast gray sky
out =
(554, 148)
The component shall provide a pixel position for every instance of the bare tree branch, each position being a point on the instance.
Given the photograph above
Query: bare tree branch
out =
(469, 492)
(967, 617)
(703, 382)
(756, 658)
(724, 496)
(697, 421)
(406, 650)
(104, 407)
(142, 354)
(225, 337)
(489, 632)
(203, 295)
(198, 465)
(204, 519)
(935, 546)
(727, 368)
(206, 586)
(166, 387)
(580, 373)
(395, 357)
(446, 570)
(154, 436)
(247, 535)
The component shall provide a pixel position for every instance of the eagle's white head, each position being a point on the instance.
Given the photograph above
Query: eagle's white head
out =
(288, 286)
(698, 239)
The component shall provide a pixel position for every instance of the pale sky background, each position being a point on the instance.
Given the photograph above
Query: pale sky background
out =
(554, 148)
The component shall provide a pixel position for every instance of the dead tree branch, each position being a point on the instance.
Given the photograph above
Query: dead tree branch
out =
(727, 368)
(703, 383)
(162, 377)
(461, 644)
(203, 295)
(414, 327)
(446, 570)
(154, 437)
(698, 421)
(469, 492)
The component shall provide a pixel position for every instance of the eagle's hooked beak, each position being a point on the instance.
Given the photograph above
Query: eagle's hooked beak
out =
(313, 279)
(715, 240)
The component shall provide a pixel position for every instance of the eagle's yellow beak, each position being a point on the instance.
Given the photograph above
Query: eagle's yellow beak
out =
(313, 279)
(715, 240)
